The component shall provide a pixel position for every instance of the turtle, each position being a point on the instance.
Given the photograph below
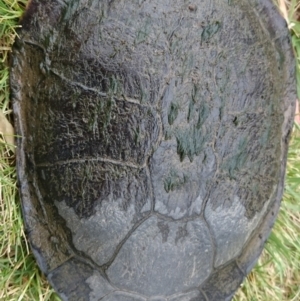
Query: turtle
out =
(152, 143)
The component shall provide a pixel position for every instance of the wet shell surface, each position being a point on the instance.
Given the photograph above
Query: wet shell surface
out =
(152, 143)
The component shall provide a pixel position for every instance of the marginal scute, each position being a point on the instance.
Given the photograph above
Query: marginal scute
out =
(46, 239)
(254, 247)
(66, 278)
(194, 295)
(44, 244)
(123, 296)
(223, 283)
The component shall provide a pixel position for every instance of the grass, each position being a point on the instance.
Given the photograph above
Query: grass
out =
(276, 277)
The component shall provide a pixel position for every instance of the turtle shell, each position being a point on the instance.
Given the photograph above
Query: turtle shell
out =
(152, 143)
